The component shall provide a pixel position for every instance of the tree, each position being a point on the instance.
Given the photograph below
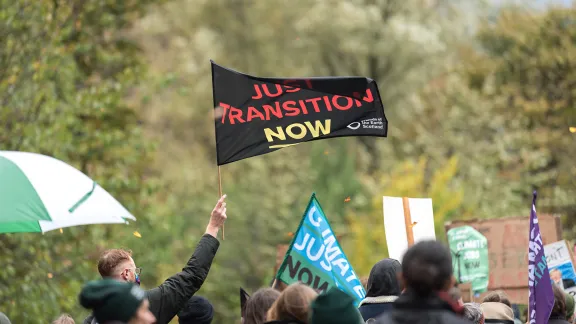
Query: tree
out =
(64, 70)
(400, 44)
(409, 179)
(526, 70)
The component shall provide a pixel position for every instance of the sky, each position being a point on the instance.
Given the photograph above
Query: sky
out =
(538, 3)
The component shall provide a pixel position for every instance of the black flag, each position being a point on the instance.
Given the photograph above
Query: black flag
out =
(255, 115)
(243, 300)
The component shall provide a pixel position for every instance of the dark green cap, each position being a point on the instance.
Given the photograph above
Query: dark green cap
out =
(569, 305)
(112, 300)
(334, 307)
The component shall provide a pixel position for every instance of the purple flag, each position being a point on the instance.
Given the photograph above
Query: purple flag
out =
(541, 296)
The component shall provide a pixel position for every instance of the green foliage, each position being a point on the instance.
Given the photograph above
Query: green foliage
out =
(409, 179)
(527, 72)
(475, 122)
(65, 68)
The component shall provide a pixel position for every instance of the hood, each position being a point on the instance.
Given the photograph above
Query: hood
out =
(497, 311)
(383, 279)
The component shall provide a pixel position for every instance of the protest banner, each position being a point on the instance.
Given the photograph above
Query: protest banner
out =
(470, 257)
(255, 115)
(507, 250)
(561, 264)
(316, 259)
(407, 221)
(540, 294)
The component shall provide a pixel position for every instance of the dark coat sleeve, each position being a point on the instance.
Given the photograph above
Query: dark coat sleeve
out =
(171, 296)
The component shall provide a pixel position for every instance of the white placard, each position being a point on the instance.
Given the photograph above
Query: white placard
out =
(557, 253)
(421, 213)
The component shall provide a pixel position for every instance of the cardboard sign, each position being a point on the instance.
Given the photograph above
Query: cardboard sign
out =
(507, 250)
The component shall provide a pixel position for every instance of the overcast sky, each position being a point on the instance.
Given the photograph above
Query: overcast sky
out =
(540, 3)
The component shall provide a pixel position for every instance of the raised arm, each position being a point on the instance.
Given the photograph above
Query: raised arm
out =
(167, 299)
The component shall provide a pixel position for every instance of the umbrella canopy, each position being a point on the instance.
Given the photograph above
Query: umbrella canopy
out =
(39, 193)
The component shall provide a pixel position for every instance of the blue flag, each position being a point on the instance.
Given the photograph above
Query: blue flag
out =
(316, 259)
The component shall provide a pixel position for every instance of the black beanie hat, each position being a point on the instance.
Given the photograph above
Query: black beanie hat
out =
(198, 310)
(334, 307)
(112, 300)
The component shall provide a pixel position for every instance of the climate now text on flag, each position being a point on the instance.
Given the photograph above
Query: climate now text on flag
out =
(316, 259)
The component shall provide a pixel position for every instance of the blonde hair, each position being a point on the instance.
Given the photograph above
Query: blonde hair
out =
(292, 304)
(64, 319)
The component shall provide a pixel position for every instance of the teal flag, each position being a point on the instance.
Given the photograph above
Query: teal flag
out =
(316, 259)
(470, 257)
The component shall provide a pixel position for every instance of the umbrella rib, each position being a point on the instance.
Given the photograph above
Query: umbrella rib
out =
(83, 199)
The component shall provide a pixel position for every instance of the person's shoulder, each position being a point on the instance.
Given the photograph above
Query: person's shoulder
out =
(444, 317)
(451, 318)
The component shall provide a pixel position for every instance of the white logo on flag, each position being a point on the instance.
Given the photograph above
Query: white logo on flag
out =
(354, 126)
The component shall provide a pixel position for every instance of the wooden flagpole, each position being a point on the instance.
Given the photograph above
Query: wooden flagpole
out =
(408, 221)
(220, 195)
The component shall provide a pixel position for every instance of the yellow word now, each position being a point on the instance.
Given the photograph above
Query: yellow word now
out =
(297, 131)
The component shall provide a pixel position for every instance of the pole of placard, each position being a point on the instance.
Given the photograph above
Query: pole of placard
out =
(220, 195)
(408, 221)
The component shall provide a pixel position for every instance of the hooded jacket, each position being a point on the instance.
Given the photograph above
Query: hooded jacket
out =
(383, 289)
(410, 308)
(499, 313)
(172, 295)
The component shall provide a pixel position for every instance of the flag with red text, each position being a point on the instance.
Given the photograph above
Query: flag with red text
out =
(255, 115)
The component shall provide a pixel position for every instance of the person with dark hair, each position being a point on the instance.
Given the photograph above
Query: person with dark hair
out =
(198, 310)
(427, 276)
(258, 305)
(383, 288)
(558, 315)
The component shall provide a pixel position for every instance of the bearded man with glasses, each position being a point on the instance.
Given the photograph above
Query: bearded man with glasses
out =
(172, 295)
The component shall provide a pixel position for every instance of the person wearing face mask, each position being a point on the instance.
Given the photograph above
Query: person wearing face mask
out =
(172, 295)
(112, 301)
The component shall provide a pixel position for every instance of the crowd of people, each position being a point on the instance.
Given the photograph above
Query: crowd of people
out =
(420, 289)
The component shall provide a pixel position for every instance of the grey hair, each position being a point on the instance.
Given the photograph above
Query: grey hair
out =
(473, 313)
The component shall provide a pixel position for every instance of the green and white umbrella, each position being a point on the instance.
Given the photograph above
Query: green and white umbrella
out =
(39, 193)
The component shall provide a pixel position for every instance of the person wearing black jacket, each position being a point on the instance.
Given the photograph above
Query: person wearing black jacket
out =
(382, 290)
(427, 276)
(172, 295)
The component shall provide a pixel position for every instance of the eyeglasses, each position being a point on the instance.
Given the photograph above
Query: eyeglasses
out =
(138, 271)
